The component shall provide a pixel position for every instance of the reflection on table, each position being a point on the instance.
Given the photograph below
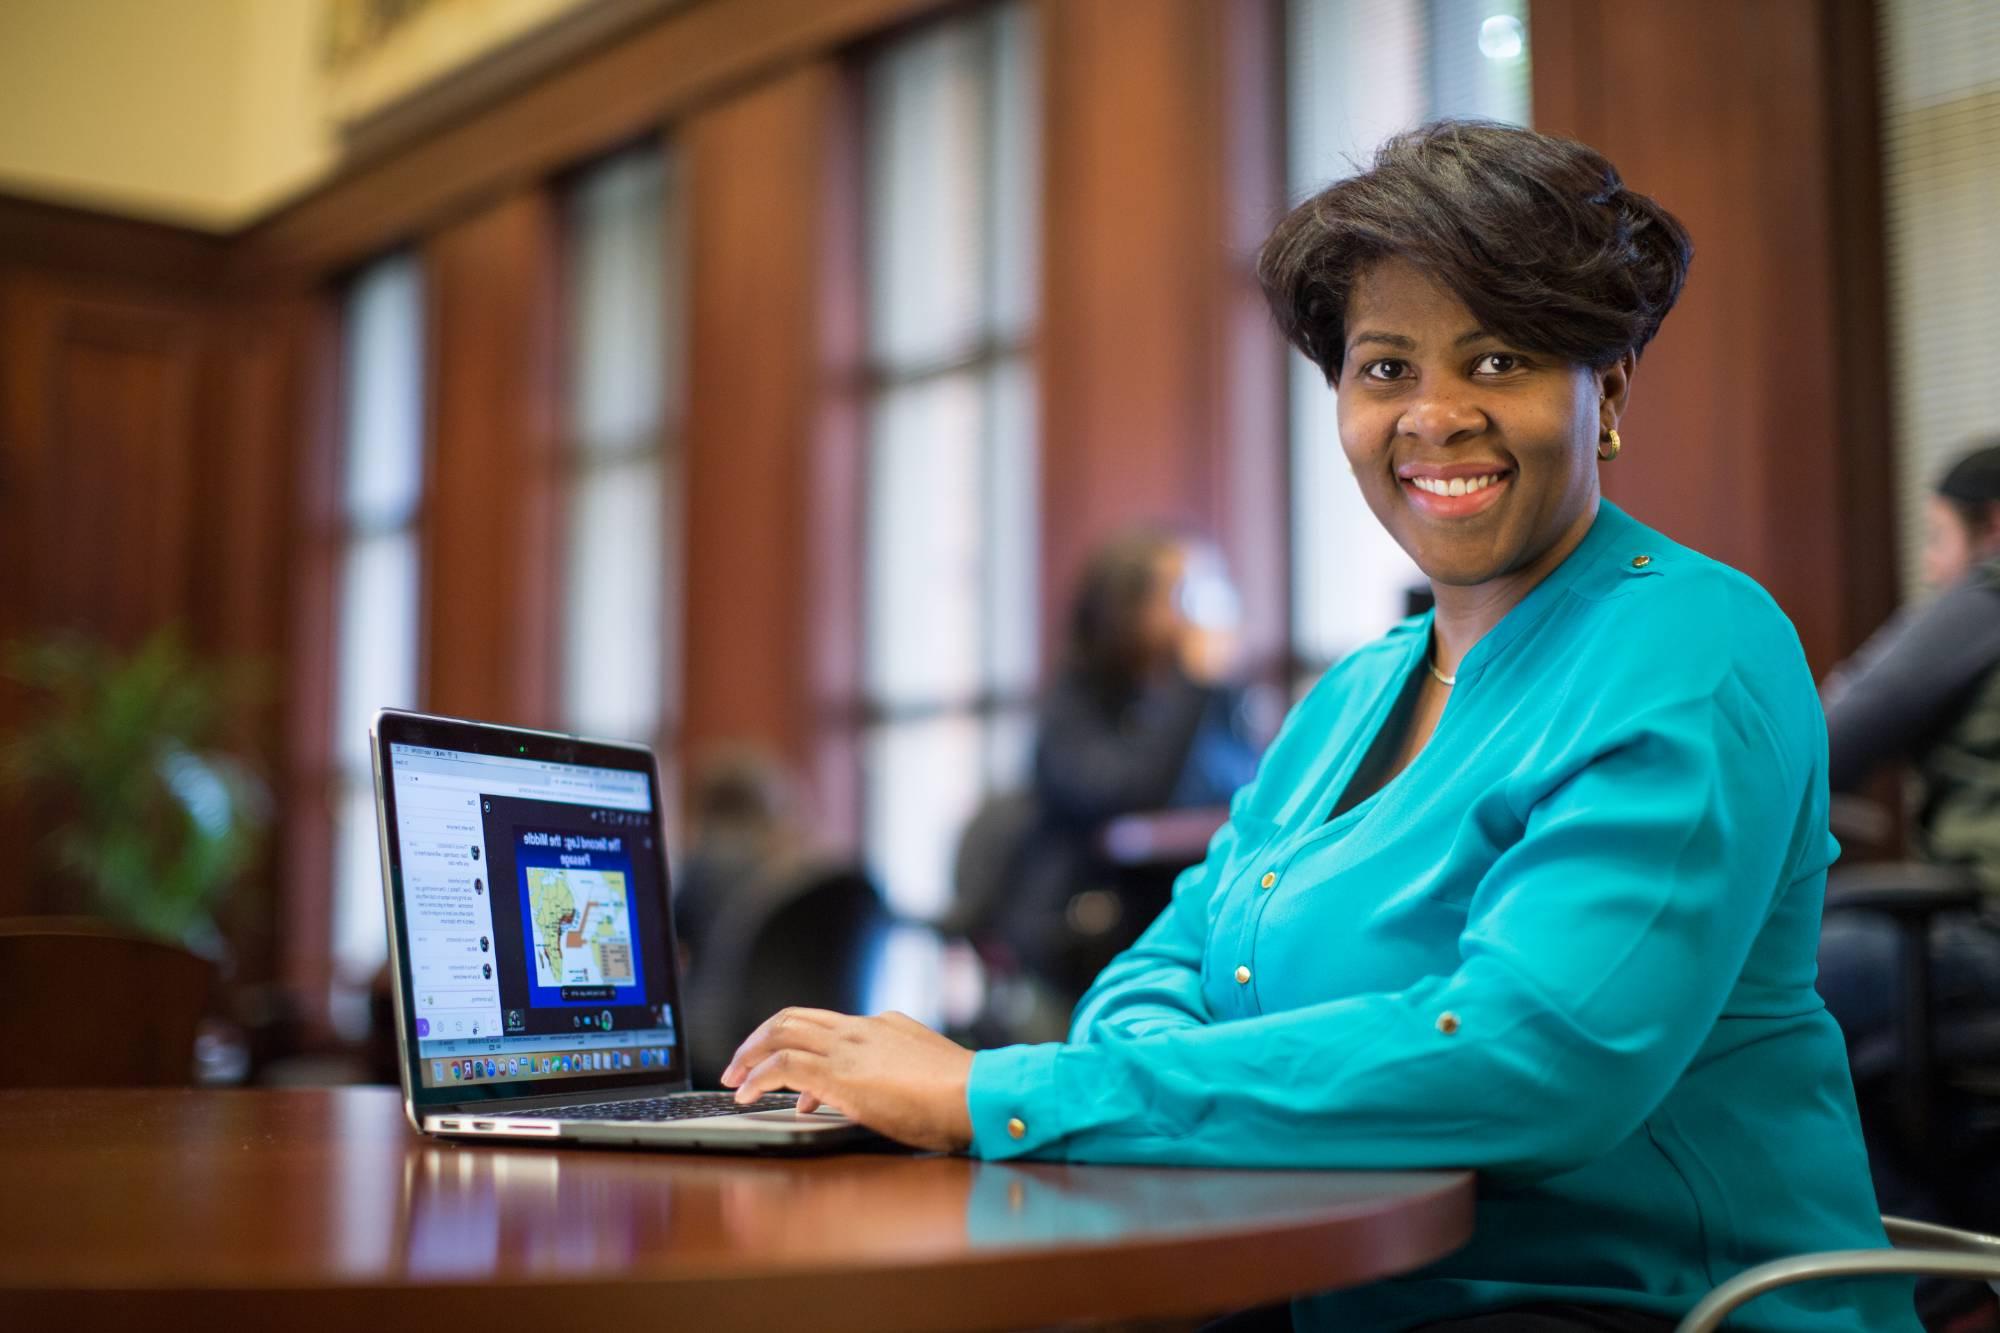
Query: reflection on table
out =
(318, 1207)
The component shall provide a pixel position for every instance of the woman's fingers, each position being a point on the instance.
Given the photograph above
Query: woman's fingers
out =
(809, 1029)
(803, 1072)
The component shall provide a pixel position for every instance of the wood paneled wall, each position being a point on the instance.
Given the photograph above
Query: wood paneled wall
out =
(773, 458)
(490, 635)
(104, 465)
(268, 379)
(1162, 382)
(102, 453)
(1758, 429)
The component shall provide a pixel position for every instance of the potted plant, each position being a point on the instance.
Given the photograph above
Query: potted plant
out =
(148, 820)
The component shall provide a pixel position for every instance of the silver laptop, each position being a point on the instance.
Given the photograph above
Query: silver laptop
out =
(524, 877)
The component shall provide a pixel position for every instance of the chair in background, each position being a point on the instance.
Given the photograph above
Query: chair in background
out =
(84, 1003)
(1937, 1057)
(1008, 883)
(1047, 908)
(986, 868)
(1943, 1068)
(807, 936)
(1940, 1125)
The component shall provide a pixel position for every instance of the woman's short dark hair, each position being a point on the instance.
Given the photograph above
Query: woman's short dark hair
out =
(1537, 236)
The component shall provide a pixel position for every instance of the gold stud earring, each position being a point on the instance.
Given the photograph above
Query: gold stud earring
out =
(1608, 449)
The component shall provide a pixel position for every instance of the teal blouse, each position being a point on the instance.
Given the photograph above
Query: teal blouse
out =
(1571, 946)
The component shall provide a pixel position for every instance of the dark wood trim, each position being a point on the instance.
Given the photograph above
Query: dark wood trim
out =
(488, 533)
(837, 516)
(1867, 440)
(488, 78)
(1568, 83)
(692, 55)
(246, 558)
(1161, 382)
(1749, 436)
(305, 915)
(104, 247)
(767, 520)
(1252, 427)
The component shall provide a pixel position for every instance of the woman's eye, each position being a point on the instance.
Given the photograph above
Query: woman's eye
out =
(1385, 370)
(1496, 363)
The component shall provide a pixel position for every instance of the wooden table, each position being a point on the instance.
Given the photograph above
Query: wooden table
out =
(320, 1208)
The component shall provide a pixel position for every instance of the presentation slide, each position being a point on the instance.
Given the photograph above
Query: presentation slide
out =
(576, 899)
(584, 946)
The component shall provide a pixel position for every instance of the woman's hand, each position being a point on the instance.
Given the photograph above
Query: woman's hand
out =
(889, 1072)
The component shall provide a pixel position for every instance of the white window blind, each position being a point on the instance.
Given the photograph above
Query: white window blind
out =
(1941, 197)
(950, 639)
(951, 205)
(378, 634)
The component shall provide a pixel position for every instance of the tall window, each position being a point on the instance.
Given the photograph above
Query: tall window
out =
(1358, 72)
(378, 635)
(620, 652)
(950, 655)
(1941, 195)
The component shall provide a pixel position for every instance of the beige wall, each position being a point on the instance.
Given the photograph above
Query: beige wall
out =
(212, 112)
(195, 111)
(283, 140)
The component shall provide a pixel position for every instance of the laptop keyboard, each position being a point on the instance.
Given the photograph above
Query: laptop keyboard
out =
(681, 1106)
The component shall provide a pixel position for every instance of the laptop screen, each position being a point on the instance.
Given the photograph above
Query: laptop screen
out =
(534, 916)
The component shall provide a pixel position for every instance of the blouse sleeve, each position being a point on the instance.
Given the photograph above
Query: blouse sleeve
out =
(1597, 953)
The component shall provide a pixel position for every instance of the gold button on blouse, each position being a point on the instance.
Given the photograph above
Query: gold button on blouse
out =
(1270, 878)
(1641, 561)
(1017, 1128)
(1242, 976)
(1447, 1022)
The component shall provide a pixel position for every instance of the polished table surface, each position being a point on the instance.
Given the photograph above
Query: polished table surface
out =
(321, 1208)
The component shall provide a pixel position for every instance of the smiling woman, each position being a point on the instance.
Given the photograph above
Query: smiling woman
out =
(1531, 884)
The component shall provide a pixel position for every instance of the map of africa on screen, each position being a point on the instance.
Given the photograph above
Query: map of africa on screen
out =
(583, 933)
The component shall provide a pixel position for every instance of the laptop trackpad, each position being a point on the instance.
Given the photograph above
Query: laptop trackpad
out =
(813, 1119)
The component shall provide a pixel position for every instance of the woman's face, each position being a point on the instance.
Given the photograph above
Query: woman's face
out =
(1480, 459)
(1948, 545)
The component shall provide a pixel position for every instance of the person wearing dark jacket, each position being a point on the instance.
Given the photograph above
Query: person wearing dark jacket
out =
(1925, 691)
(1139, 717)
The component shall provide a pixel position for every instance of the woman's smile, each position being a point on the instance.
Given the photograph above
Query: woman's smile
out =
(1458, 491)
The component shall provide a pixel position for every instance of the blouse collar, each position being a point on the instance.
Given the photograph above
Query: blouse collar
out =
(1601, 548)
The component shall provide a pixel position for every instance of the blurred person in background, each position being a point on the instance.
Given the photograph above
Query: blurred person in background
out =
(1925, 691)
(1530, 885)
(743, 829)
(1141, 716)
(1924, 688)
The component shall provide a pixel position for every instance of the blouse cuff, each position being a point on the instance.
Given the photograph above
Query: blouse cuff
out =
(1012, 1099)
